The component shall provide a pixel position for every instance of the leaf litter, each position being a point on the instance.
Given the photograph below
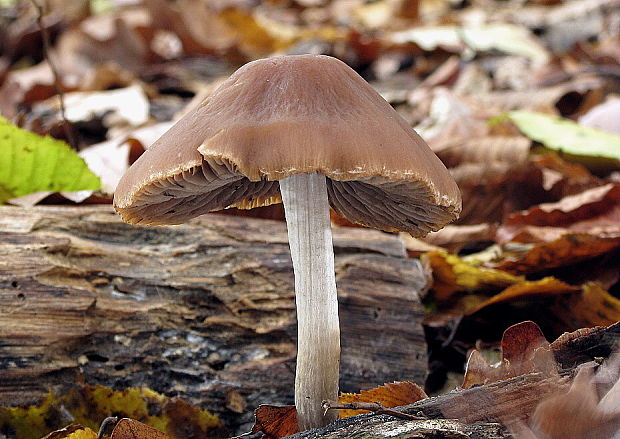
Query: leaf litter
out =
(516, 98)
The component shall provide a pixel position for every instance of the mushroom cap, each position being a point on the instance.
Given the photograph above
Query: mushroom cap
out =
(288, 115)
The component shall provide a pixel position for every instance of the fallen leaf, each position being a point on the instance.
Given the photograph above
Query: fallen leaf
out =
(594, 211)
(275, 421)
(90, 405)
(527, 290)
(73, 431)
(454, 237)
(524, 349)
(605, 116)
(594, 148)
(592, 306)
(452, 275)
(128, 105)
(504, 37)
(390, 395)
(568, 249)
(112, 37)
(30, 163)
(279, 421)
(128, 428)
(561, 178)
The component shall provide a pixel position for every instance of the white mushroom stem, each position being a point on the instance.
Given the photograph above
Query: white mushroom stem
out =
(318, 328)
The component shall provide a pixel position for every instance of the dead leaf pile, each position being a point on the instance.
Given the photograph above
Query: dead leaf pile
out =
(520, 100)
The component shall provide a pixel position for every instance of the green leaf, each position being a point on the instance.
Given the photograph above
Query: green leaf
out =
(31, 163)
(594, 148)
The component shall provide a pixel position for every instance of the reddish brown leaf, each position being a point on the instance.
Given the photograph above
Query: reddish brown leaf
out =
(524, 350)
(275, 421)
(568, 249)
(599, 206)
(131, 429)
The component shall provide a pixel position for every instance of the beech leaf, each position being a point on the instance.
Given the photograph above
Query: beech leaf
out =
(594, 148)
(31, 163)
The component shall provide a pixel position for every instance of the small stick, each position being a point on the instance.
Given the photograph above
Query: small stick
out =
(46, 52)
(375, 407)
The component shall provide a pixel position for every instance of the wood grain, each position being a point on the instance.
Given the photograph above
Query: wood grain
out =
(203, 310)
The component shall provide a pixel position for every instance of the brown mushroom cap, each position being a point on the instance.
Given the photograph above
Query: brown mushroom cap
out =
(288, 115)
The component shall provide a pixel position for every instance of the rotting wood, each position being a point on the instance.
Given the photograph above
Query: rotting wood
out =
(200, 310)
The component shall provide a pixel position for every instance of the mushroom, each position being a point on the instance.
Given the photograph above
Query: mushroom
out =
(310, 132)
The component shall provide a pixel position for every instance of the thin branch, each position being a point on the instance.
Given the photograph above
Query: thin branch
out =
(375, 407)
(57, 88)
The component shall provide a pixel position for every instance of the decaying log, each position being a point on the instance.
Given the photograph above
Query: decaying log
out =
(204, 311)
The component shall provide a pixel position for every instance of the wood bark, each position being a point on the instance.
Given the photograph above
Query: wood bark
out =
(204, 310)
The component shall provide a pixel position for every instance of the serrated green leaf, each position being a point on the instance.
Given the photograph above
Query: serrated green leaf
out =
(31, 163)
(594, 148)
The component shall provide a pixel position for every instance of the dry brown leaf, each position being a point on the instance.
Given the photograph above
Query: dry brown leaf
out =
(592, 306)
(484, 150)
(195, 23)
(275, 421)
(454, 237)
(112, 37)
(452, 117)
(569, 249)
(131, 429)
(571, 209)
(527, 290)
(524, 349)
(390, 395)
(562, 178)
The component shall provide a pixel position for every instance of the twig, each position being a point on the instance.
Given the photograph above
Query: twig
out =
(375, 407)
(46, 52)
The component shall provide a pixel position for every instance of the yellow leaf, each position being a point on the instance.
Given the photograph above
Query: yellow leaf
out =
(451, 275)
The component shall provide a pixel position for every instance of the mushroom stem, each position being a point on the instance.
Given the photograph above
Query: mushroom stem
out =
(318, 343)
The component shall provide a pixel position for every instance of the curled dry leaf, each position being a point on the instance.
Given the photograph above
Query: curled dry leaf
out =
(527, 290)
(595, 211)
(561, 178)
(570, 248)
(592, 306)
(454, 237)
(524, 349)
(451, 275)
